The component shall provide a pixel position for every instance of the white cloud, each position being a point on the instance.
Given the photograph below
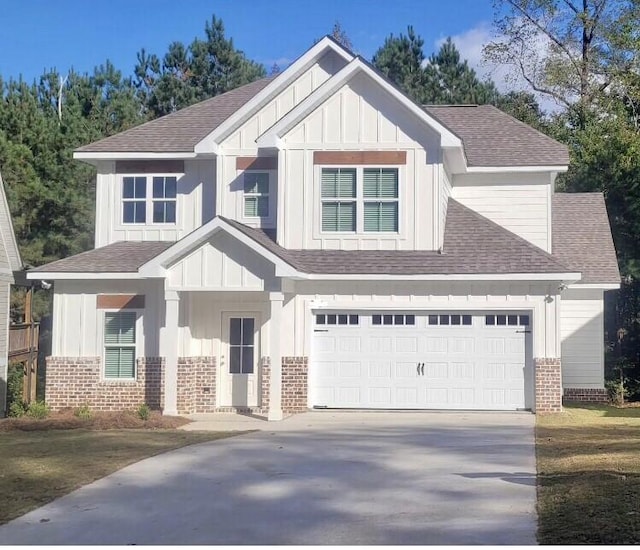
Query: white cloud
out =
(470, 44)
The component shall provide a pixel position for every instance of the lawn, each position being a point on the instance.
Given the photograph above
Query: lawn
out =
(589, 476)
(38, 466)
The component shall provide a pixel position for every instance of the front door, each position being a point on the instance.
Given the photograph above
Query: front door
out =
(239, 360)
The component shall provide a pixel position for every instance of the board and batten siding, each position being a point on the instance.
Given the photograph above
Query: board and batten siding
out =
(359, 117)
(520, 203)
(582, 333)
(195, 205)
(222, 264)
(244, 138)
(78, 323)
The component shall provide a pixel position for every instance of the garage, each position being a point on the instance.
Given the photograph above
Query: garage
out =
(422, 360)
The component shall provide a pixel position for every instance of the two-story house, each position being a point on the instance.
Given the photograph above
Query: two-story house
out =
(317, 239)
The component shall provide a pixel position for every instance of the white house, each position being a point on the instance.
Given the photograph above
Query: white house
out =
(317, 239)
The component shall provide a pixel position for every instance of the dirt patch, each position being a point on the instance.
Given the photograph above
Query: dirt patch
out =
(67, 420)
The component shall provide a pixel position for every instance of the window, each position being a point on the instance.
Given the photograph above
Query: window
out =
(445, 320)
(134, 200)
(241, 345)
(141, 204)
(337, 319)
(120, 344)
(509, 320)
(338, 192)
(359, 200)
(380, 184)
(256, 194)
(408, 320)
(164, 199)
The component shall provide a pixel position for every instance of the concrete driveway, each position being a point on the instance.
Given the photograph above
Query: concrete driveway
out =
(317, 478)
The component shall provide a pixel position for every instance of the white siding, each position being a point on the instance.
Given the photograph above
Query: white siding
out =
(359, 116)
(78, 323)
(244, 138)
(221, 264)
(519, 202)
(582, 331)
(445, 193)
(195, 205)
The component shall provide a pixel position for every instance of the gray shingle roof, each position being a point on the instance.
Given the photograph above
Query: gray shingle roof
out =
(582, 236)
(494, 138)
(120, 257)
(472, 245)
(182, 130)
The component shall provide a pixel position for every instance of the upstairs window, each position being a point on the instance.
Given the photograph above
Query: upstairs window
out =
(359, 200)
(256, 194)
(380, 184)
(338, 191)
(134, 200)
(149, 199)
(164, 199)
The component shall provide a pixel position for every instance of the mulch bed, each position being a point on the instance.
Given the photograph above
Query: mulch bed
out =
(67, 420)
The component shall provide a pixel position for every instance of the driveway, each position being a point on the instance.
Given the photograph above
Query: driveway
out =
(317, 478)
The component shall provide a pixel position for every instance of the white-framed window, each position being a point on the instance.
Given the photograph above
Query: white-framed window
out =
(359, 200)
(149, 199)
(120, 344)
(256, 195)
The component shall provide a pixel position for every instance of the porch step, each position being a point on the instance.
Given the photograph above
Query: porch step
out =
(241, 410)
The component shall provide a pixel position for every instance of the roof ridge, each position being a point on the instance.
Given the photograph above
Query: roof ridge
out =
(505, 231)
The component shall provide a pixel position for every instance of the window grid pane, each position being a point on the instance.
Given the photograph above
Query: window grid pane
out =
(338, 216)
(381, 216)
(338, 183)
(380, 183)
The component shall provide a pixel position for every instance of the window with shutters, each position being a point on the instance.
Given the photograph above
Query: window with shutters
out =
(338, 192)
(360, 200)
(120, 344)
(256, 194)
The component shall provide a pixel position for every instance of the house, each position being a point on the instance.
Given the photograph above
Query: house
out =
(10, 263)
(317, 239)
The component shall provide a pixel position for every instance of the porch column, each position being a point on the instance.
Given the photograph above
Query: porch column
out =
(169, 350)
(275, 387)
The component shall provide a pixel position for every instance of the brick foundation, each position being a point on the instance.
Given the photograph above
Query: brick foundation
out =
(548, 385)
(76, 381)
(585, 395)
(196, 385)
(294, 384)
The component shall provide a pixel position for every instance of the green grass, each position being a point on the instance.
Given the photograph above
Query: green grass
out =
(589, 476)
(37, 467)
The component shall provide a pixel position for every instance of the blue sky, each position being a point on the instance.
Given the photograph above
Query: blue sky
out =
(44, 34)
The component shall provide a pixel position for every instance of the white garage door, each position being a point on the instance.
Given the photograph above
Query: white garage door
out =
(420, 361)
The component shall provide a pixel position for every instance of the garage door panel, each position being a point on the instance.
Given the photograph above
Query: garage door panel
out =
(436, 371)
(406, 369)
(406, 397)
(379, 369)
(380, 344)
(436, 344)
(443, 361)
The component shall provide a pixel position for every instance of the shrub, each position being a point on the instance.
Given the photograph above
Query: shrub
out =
(616, 391)
(17, 409)
(15, 379)
(143, 412)
(83, 412)
(38, 409)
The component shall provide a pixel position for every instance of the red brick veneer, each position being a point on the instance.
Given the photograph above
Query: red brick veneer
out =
(294, 384)
(76, 381)
(548, 385)
(585, 395)
(196, 385)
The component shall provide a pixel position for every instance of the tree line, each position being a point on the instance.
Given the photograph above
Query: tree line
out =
(583, 54)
